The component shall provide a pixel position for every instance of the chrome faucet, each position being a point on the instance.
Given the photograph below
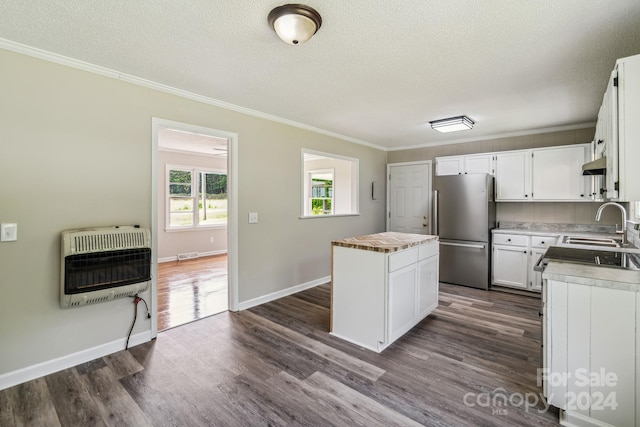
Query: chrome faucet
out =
(624, 218)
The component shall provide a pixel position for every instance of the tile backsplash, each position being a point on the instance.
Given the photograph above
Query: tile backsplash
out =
(557, 213)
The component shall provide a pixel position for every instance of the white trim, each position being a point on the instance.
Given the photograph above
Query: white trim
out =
(355, 183)
(38, 370)
(232, 209)
(107, 72)
(200, 255)
(282, 293)
(494, 136)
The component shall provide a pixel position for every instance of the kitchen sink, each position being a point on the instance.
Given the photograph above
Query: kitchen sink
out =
(593, 241)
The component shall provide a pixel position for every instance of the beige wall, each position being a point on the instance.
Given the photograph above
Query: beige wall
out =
(558, 213)
(76, 152)
(172, 243)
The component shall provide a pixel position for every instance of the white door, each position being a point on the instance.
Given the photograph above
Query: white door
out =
(409, 198)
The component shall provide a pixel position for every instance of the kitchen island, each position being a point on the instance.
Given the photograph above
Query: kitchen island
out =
(591, 339)
(382, 285)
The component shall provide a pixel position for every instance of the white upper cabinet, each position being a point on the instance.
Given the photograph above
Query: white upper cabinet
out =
(544, 174)
(513, 176)
(457, 165)
(618, 132)
(557, 173)
(479, 163)
(450, 165)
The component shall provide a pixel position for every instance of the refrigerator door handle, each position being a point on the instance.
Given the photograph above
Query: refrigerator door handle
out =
(436, 230)
(462, 245)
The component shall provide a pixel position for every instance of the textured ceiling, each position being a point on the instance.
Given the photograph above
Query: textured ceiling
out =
(377, 71)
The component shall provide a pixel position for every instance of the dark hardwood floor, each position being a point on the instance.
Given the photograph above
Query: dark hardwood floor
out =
(192, 289)
(276, 364)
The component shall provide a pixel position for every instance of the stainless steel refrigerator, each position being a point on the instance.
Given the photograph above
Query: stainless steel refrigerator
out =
(464, 214)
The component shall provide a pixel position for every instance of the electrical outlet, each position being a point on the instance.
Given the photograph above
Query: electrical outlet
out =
(253, 217)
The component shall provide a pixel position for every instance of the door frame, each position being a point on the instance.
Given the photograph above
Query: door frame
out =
(430, 189)
(232, 209)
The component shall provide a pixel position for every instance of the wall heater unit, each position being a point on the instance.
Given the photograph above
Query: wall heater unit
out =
(102, 264)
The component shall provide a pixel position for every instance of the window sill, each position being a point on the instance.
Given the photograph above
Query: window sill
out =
(201, 228)
(328, 216)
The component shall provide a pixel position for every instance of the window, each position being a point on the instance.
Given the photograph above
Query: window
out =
(321, 200)
(329, 185)
(196, 198)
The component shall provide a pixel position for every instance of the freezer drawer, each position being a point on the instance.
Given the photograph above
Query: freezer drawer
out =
(465, 263)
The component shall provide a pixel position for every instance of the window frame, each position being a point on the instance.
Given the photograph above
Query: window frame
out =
(311, 197)
(195, 184)
(346, 193)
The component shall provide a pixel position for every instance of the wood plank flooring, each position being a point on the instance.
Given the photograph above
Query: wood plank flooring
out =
(276, 365)
(192, 289)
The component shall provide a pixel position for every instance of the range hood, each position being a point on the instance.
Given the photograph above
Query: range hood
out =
(596, 167)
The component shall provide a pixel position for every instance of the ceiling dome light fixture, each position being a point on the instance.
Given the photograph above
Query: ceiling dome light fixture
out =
(452, 124)
(295, 23)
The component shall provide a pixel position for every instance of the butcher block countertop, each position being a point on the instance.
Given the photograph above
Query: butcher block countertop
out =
(385, 242)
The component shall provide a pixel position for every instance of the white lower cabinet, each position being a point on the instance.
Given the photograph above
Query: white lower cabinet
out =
(513, 259)
(510, 266)
(377, 297)
(591, 344)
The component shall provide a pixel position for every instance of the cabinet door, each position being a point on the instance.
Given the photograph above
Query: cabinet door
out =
(557, 173)
(513, 175)
(480, 163)
(427, 286)
(610, 136)
(613, 350)
(535, 277)
(510, 266)
(402, 301)
(452, 165)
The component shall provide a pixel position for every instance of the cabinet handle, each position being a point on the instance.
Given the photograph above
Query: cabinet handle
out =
(543, 242)
(508, 240)
(526, 195)
(524, 252)
(582, 195)
(600, 141)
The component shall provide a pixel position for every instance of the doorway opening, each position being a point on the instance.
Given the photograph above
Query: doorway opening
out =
(193, 223)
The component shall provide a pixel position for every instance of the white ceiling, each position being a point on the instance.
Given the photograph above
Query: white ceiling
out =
(190, 142)
(377, 71)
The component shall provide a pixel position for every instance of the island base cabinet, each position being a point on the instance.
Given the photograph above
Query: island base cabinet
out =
(592, 346)
(358, 297)
(377, 297)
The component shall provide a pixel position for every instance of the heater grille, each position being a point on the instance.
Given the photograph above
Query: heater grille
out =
(87, 242)
(102, 264)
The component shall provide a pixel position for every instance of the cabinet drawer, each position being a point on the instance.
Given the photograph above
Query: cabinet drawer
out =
(511, 239)
(429, 249)
(403, 258)
(543, 241)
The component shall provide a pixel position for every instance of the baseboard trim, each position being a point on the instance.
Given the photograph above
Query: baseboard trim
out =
(282, 293)
(49, 367)
(200, 255)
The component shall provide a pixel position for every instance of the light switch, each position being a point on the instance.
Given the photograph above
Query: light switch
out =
(253, 217)
(8, 232)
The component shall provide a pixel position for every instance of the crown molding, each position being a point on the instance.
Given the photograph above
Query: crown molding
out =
(108, 72)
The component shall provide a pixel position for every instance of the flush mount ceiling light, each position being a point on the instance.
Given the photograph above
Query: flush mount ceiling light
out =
(452, 124)
(295, 23)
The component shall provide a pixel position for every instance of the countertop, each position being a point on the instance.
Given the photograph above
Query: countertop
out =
(605, 277)
(385, 242)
